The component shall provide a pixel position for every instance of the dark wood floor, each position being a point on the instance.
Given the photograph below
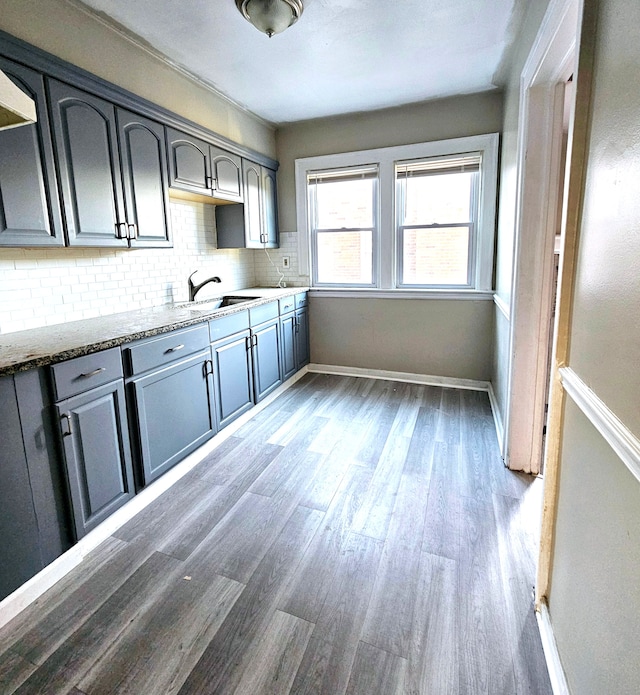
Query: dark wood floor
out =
(357, 536)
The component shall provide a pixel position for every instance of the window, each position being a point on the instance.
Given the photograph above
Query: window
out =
(343, 225)
(437, 202)
(416, 218)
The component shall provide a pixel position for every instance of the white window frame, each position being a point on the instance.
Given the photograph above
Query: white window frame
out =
(387, 251)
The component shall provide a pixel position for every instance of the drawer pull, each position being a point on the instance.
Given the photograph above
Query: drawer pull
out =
(176, 348)
(88, 375)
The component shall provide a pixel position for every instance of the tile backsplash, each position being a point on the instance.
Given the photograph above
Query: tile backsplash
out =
(40, 287)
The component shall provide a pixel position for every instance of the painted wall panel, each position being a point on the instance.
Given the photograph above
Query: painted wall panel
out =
(450, 338)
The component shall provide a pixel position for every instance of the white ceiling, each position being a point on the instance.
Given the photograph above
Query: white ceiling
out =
(342, 56)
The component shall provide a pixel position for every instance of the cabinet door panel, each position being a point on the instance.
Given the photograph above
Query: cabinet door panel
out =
(188, 163)
(232, 376)
(145, 176)
(288, 345)
(97, 454)
(173, 414)
(226, 171)
(86, 145)
(29, 209)
(19, 543)
(266, 359)
(252, 204)
(302, 338)
(269, 208)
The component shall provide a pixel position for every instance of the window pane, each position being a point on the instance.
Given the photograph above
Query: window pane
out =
(435, 256)
(345, 204)
(345, 257)
(438, 198)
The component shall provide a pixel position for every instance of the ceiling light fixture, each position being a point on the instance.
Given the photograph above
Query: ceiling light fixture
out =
(270, 16)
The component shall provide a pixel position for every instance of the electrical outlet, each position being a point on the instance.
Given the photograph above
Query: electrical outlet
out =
(286, 262)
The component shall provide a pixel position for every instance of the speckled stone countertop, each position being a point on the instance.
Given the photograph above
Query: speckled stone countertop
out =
(38, 347)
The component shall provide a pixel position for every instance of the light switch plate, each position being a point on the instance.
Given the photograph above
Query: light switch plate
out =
(286, 262)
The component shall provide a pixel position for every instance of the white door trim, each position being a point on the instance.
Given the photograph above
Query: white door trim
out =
(549, 64)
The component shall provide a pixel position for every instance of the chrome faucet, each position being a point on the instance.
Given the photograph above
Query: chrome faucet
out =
(194, 289)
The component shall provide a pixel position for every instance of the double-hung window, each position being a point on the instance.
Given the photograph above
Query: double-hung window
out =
(437, 209)
(406, 220)
(343, 221)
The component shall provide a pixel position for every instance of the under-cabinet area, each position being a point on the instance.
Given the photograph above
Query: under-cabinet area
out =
(81, 436)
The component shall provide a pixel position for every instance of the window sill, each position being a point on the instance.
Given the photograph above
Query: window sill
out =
(361, 293)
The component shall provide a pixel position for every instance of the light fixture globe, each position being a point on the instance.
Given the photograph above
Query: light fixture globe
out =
(270, 16)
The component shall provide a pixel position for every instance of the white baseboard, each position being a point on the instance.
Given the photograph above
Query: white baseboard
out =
(426, 379)
(552, 656)
(46, 578)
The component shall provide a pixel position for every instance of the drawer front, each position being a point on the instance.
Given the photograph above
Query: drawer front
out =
(286, 305)
(228, 325)
(83, 373)
(263, 313)
(164, 349)
(302, 299)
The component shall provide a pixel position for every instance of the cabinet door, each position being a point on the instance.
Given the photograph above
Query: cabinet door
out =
(252, 204)
(269, 208)
(173, 414)
(232, 376)
(144, 173)
(29, 209)
(97, 454)
(87, 151)
(19, 541)
(226, 174)
(288, 345)
(188, 163)
(302, 338)
(266, 358)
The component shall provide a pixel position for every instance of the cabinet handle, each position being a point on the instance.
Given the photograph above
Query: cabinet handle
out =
(121, 230)
(88, 375)
(249, 342)
(175, 349)
(133, 231)
(208, 368)
(254, 341)
(296, 324)
(67, 418)
(210, 182)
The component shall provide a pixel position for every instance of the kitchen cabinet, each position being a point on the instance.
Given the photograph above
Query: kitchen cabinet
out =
(253, 224)
(198, 167)
(19, 543)
(294, 329)
(265, 349)
(29, 208)
(113, 173)
(93, 428)
(170, 392)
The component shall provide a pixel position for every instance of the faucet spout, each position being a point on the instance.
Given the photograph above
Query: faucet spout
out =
(194, 289)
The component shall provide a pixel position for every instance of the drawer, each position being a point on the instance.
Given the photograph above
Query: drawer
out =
(83, 373)
(228, 325)
(148, 353)
(263, 313)
(287, 304)
(302, 299)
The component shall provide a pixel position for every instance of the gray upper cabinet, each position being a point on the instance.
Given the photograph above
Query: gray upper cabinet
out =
(87, 151)
(29, 208)
(253, 225)
(144, 174)
(196, 166)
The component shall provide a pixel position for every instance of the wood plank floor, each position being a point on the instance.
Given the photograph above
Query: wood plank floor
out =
(357, 537)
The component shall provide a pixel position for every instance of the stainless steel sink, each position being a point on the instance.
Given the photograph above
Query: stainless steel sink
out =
(217, 303)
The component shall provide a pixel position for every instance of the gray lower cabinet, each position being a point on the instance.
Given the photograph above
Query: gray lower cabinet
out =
(302, 338)
(170, 390)
(233, 376)
(288, 343)
(265, 349)
(97, 454)
(294, 334)
(20, 555)
(29, 208)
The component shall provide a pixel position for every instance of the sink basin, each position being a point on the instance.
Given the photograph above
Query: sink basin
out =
(213, 304)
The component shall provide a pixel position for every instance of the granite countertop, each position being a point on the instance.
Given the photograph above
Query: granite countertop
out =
(38, 347)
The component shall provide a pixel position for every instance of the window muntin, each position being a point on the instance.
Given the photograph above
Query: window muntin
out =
(343, 221)
(437, 205)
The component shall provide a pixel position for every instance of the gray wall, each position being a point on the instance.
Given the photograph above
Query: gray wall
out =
(451, 338)
(595, 592)
(421, 336)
